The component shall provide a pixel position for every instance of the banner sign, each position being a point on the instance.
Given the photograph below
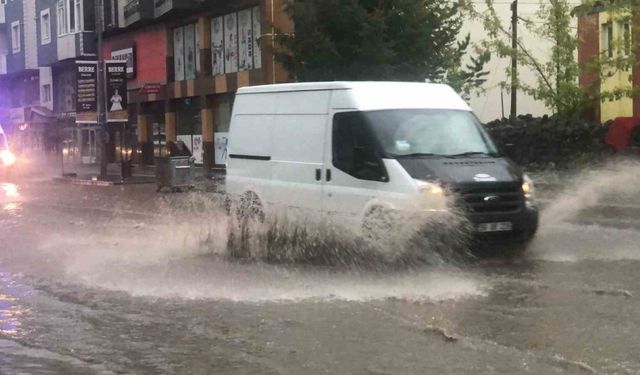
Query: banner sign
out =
(127, 54)
(87, 92)
(116, 85)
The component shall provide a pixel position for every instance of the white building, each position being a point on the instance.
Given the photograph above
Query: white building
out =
(489, 105)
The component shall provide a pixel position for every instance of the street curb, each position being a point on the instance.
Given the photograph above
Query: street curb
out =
(98, 183)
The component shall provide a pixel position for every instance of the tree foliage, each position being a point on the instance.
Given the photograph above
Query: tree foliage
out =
(556, 82)
(408, 40)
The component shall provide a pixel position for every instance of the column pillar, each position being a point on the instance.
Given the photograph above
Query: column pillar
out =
(208, 129)
(170, 124)
(145, 143)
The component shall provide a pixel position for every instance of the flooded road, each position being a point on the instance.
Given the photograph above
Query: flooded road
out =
(121, 280)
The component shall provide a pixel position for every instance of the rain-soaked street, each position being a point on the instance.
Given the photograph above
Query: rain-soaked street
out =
(123, 280)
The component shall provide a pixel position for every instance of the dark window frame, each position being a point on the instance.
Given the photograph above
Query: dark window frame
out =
(371, 143)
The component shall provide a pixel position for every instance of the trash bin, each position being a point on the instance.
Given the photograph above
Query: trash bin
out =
(175, 172)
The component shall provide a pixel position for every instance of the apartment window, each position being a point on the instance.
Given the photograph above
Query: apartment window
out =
(62, 17)
(46, 93)
(16, 38)
(607, 39)
(45, 27)
(78, 15)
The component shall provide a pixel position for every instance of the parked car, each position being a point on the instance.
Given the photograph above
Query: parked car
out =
(7, 158)
(624, 134)
(358, 149)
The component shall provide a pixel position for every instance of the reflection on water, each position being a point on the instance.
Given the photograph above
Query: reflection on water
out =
(10, 310)
(10, 190)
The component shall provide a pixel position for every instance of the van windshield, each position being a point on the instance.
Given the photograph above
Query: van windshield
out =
(429, 132)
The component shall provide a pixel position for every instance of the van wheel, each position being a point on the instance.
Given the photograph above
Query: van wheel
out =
(250, 208)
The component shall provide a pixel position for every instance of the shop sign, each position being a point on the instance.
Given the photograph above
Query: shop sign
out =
(128, 55)
(116, 85)
(152, 89)
(87, 92)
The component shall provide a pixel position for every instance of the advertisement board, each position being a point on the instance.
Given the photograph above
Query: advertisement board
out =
(116, 89)
(87, 92)
(231, 43)
(217, 45)
(257, 34)
(245, 45)
(178, 53)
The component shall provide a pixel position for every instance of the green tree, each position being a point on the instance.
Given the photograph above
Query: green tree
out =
(556, 82)
(409, 40)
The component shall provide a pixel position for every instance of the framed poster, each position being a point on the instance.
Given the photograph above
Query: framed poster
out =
(231, 43)
(220, 144)
(178, 53)
(190, 51)
(217, 45)
(87, 92)
(245, 38)
(116, 84)
(257, 33)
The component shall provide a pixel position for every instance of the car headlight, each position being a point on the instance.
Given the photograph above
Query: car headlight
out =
(529, 190)
(8, 158)
(430, 188)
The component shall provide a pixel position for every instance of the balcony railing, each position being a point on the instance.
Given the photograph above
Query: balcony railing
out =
(166, 7)
(138, 10)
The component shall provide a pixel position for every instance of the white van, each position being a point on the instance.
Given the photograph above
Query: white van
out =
(356, 148)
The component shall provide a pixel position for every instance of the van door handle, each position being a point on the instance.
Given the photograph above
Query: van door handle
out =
(328, 174)
(318, 174)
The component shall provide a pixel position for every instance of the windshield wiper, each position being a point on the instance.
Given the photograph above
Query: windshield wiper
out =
(419, 154)
(472, 153)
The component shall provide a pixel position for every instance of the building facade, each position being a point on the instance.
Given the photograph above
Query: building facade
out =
(606, 34)
(186, 60)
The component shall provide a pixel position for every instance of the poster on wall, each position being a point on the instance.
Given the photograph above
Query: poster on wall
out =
(217, 45)
(231, 43)
(220, 144)
(194, 144)
(178, 53)
(87, 92)
(257, 33)
(116, 85)
(190, 51)
(245, 45)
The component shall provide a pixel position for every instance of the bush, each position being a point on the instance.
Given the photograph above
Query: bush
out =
(544, 141)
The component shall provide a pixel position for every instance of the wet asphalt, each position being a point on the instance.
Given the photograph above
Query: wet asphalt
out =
(121, 280)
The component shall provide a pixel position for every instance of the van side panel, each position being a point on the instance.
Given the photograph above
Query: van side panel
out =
(298, 139)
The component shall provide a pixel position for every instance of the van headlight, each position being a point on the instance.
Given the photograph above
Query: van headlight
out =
(430, 188)
(8, 158)
(529, 190)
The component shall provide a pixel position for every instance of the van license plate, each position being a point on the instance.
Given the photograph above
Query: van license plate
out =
(505, 226)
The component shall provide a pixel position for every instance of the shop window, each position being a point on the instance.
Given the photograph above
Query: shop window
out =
(354, 148)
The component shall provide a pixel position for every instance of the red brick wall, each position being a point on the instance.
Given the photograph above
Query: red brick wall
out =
(588, 50)
(151, 53)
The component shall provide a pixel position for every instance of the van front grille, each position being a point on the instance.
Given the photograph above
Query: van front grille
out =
(490, 198)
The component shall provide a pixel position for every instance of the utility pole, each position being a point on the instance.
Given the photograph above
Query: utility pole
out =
(514, 59)
(99, 11)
